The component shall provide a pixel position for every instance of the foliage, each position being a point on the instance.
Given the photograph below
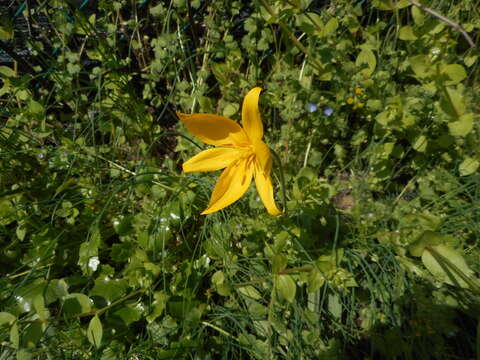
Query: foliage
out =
(372, 107)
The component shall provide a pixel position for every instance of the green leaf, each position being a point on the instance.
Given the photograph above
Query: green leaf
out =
(468, 166)
(330, 27)
(157, 10)
(7, 72)
(366, 57)
(390, 5)
(421, 66)
(279, 263)
(455, 72)
(32, 334)
(334, 305)
(418, 16)
(40, 309)
(35, 107)
(109, 289)
(315, 280)
(128, 314)
(441, 270)
(14, 336)
(250, 292)
(6, 28)
(24, 354)
(6, 318)
(428, 238)
(76, 303)
(463, 126)
(407, 33)
(286, 287)
(88, 254)
(453, 103)
(159, 304)
(230, 110)
(95, 331)
(420, 143)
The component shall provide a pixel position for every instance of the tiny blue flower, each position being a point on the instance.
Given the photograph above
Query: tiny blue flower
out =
(328, 111)
(312, 108)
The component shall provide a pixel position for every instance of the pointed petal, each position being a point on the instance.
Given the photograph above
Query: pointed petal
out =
(212, 159)
(265, 190)
(251, 120)
(231, 185)
(214, 129)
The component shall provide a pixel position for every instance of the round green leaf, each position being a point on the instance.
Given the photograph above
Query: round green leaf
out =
(468, 166)
(76, 303)
(463, 126)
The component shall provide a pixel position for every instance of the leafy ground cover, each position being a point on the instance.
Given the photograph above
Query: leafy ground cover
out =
(372, 108)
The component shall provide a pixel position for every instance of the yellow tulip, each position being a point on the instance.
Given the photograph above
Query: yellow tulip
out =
(240, 151)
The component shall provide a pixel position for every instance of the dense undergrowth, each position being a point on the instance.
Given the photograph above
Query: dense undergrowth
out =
(372, 107)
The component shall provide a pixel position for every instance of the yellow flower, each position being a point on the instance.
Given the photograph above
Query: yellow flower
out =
(240, 151)
(358, 91)
(350, 101)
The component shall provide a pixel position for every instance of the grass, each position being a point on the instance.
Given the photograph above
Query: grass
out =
(105, 253)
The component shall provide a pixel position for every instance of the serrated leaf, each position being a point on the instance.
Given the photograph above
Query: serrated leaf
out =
(95, 331)
(407, 33)
(468, 166)
(286, 287)
(463, 126)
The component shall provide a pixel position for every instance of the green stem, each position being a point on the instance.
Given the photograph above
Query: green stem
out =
(282, 180)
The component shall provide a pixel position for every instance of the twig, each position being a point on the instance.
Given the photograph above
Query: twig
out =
(445, 20)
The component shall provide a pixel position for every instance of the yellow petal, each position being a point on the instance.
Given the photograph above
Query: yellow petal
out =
(214, 129)
(231, 185)
(265, 190)
(263, 156)
(212, 159)
(251, 120)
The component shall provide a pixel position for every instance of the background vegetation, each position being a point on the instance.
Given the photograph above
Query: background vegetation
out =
(373, 109)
